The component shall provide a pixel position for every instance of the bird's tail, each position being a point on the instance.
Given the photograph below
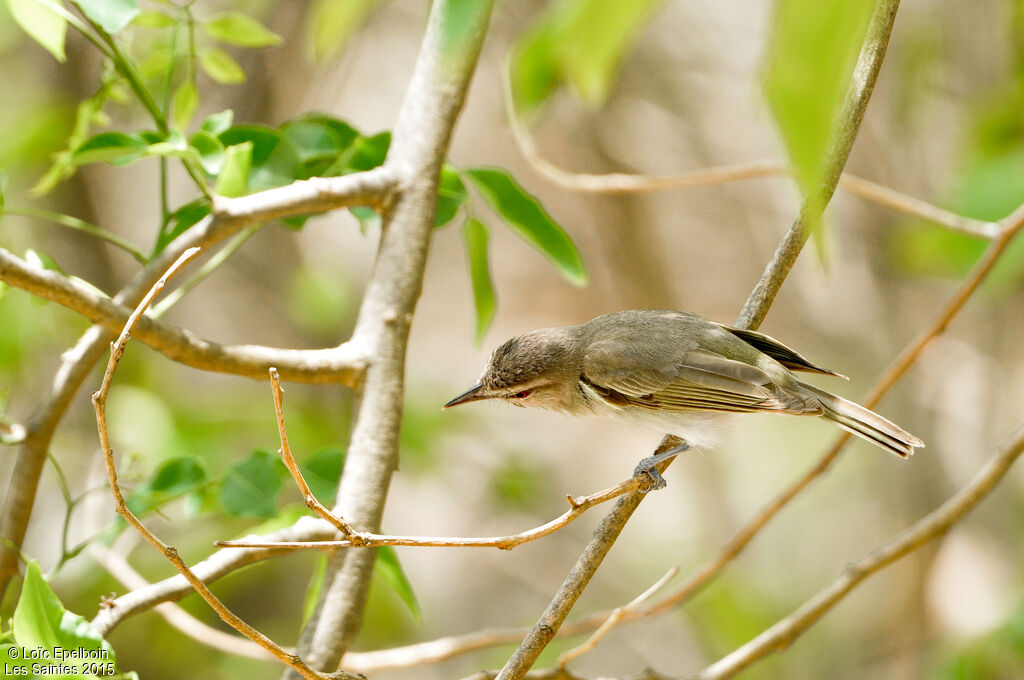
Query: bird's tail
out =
(865, 423)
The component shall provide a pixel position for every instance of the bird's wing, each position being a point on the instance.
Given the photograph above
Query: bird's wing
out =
(689, 379)
(789, 358)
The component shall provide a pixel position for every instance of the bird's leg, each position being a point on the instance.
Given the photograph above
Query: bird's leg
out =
(647, 466)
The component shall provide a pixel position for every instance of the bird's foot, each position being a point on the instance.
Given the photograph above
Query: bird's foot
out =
(648, 466)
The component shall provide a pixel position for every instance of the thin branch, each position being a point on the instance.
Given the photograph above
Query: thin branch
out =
(623, 183)
(930, 527)
(79, 225)
(869, 63)
(577, 506)
(177, 617)
(289, 461)
(343, 364)
(617, 615)
(99, 399)
(579, 576)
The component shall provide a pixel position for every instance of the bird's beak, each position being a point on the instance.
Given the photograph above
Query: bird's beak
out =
(474, 393)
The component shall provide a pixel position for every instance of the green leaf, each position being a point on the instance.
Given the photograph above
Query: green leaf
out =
(475, 237)
(216, 123)
(210, 151)
(812, 54)
(322, 470)
(110, 15)
(42, 261)
(115, 148)
(368, 218)
(318, 139)
(221, 66)
(40, 621)
(578, 42)
(390, 570)
(182, 218)
(250, 486)
(156, 64)
(233, 179)
(330, 24)
(367, 153)
(451, 195)
(186, 101)
(45, 26)
(527, 217)
(153, 19)
(274, 161)
(175, 477)
(236, 28)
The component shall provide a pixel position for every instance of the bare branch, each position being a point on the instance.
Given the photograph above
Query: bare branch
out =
(577, 506)
(343, 364)
(99, 399)
(869, 63)
(179, 619)
(932, 526)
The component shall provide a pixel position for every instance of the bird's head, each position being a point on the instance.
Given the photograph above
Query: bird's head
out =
(539, 368)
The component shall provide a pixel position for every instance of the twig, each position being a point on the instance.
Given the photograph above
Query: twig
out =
(623, 183)
(577, 506)
(177, 617)
(289, 461)
(931, 526)
(99, 399)
(869, 63)
(618, 614)
(579, 576)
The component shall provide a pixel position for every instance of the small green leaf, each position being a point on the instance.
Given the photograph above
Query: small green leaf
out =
(368, 218)
(115, 148)
(221, 66)
(45, 26)
(390, 570)
(41, 622)
(153, 19)
(451, 195)
(210, 151)
(182, 218)
(175, 477)
(110, 15)
(527, 217)
(233, 179)
(475, 237)
(368, 152)
(274, 161)
(318, 139)
(322, 470)
(156, 63)
(216, 123)
(250, 486)
(186, 101)
(236, 28)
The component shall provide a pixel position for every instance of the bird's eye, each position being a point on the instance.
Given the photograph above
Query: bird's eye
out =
(522, 395)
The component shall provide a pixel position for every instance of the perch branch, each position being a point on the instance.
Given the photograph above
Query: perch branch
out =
(577, 506)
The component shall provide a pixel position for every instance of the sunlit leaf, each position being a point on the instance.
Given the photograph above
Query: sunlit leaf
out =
(250, 486)
(221, 66)
(110, 15)
(45, 26)
(216, 123)
(233, 179)
(153, 19)
(525, 215)
(41, 622)
(580, 43)
(236, 28)
(390, 570)
(475, 237)
(185, 101)
(210, 151)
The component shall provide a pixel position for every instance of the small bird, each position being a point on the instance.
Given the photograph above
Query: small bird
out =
(675, 370)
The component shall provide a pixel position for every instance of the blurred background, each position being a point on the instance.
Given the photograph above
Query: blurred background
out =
(946, 123)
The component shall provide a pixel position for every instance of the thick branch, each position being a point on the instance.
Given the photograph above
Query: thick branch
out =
(864, 76)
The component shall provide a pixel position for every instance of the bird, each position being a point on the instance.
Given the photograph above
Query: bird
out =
(674, 370)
